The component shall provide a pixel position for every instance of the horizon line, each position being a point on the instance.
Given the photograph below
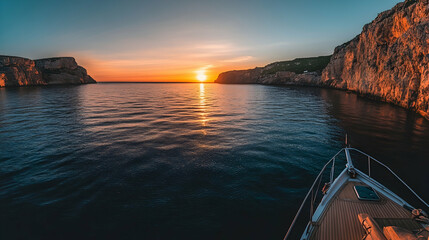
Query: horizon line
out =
(149, 82)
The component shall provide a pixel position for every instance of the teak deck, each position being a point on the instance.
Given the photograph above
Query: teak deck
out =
(340, 220)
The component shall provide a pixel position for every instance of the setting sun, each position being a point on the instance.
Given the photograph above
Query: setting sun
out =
(201, 75)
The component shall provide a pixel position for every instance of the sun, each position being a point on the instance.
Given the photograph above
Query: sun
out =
(201, 75)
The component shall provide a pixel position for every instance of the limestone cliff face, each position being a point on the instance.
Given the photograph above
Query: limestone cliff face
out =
(62, 70)
(17, 71)
(279, 78)
(389, 59)
(300, 71)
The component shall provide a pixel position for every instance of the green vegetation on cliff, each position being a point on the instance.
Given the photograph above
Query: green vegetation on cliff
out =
(298, 65)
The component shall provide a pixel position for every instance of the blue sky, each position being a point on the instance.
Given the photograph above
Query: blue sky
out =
(170, 40)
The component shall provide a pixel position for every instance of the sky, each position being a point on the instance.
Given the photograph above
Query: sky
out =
(179, 40)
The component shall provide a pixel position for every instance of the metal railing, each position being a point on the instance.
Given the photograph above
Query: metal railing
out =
(351, 169)
(311, 191)
(390, 170)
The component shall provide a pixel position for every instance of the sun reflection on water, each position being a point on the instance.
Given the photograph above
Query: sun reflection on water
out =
(203, 108)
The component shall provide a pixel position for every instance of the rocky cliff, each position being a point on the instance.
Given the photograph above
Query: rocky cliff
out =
(389, 60)
(300, 71)
(17, 71)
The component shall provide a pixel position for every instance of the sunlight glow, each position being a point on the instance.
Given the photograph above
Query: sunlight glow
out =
(201, 75)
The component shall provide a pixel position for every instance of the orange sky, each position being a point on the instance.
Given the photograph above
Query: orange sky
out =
(164, 65)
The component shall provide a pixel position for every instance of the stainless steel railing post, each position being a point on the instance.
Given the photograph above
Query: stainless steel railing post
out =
(332, 171)
(369, 166)
(306, 197)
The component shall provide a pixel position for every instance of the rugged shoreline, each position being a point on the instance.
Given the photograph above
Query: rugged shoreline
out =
(18, 71)
(387, 61)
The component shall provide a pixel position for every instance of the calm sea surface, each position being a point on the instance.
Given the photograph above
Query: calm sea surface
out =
(183, 161)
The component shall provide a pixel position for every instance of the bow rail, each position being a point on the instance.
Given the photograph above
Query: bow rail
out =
(351, 170)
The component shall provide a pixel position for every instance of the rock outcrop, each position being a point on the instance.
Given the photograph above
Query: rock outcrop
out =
(389, 60)
(17, 71)
(300, 71)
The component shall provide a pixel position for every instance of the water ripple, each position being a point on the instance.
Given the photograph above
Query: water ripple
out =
(161, 161)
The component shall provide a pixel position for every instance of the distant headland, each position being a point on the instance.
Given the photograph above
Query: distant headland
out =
(18, 71)
(388, 60)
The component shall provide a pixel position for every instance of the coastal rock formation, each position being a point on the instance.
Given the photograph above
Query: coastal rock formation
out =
(17, 71)
(389, 60)
(256, 75)
(300, 71)
(62, 70)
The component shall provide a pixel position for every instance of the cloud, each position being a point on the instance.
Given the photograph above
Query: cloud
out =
(238, 59)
